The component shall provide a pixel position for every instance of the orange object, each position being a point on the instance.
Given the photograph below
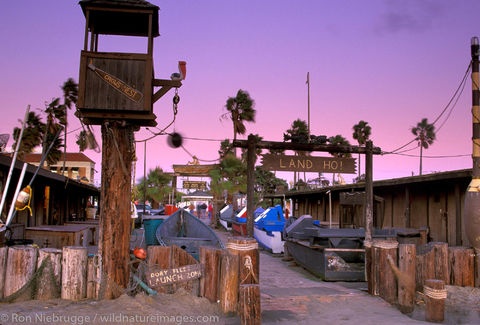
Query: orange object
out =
(170, 209)
(140, 253)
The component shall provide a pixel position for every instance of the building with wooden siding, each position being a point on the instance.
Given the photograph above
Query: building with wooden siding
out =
(434, 201)
(55, 200)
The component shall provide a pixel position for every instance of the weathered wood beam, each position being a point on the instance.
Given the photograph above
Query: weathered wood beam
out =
(166, 86)
(307, 147)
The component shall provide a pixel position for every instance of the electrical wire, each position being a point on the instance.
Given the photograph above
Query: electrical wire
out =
(193, 156)
(443, 156)
(455, 97)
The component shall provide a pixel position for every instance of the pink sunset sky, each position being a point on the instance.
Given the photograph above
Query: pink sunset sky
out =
(390, 63)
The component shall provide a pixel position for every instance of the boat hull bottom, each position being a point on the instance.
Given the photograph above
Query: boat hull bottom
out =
(272, 242)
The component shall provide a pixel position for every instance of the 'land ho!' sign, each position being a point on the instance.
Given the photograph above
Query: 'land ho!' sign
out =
(161, 277)
(308, 164)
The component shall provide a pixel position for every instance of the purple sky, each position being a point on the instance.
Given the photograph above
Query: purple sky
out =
(390, 63)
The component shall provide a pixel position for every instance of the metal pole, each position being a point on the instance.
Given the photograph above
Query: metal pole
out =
(472, 196)
(368, 192)
(330, 207)
(144, 176)
(308, 99)
(250, 183)
(17, 191)
(14, 159)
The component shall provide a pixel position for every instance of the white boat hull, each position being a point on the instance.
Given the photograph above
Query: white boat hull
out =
(271, 241)
(225, 224)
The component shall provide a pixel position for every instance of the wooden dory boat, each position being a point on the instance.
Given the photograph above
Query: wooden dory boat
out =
(188, 232)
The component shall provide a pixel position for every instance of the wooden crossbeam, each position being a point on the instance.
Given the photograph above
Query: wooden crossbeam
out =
(166, 86)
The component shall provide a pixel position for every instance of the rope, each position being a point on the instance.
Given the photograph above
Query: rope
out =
(435, 293)
(249, 265)
(22, 198)
(385, 244)
(242, 247)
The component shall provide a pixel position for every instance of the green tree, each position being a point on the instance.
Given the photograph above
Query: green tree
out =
(361, 133)
(32, 135)
(338, 140)
(266, 182)
(298, 132)
(425, 136)
(157, 186)
(226, 148)
(240, 109)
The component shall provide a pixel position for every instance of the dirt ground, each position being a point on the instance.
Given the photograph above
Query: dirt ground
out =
(290, 295)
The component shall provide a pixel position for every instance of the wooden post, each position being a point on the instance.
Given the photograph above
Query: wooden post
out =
(21, 265)
(74, 273)
(3, 267)
(368, 191)
(251, 157)
(159, 255)
(210, 257)
(49, 282)
(229, 283)
(249, 304)
(441, 261)
(477, 267)
(387, 286)
(93, 275)
(369, 271)
(247, 250)
(461, 266)
(115, 198)
(435, 295)
(406, 279)
(423, 235)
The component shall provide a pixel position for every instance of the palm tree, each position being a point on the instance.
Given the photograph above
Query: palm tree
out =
(156, 187)
(70, 96)
(361, 133)
(425, 135)
(298, 133)
(240, 110)
(339, 141)
(32, 136)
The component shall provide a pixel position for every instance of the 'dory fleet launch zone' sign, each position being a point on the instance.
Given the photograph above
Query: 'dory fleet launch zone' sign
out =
(309, 164)
(162, 277)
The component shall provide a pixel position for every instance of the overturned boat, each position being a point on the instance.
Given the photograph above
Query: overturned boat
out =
(227, 217)
(188, 232)
(268, 229)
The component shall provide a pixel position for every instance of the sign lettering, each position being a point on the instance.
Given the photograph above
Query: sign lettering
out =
(195, 185)
(309, 164)
(160, 277)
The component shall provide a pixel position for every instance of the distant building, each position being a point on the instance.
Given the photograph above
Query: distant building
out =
(77, 166)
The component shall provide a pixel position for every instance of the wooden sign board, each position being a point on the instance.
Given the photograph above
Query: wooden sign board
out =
(194, 170)
(161, 277)
(195, 185)
(309, 164)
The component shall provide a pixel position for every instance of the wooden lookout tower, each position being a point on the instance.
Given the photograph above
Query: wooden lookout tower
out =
(116, 91)
(113, 85)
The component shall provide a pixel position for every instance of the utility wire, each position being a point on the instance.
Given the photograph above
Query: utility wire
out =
(460, 88)
(417, 156)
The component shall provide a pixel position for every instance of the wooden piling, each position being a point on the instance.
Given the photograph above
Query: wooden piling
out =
(74, 273)
(431, 263)
(93, 275)
(209, 283)
(49, 282)
(423, 235)
(369, 272)
(435, 295)
(441, 261)
(461, 266)
(477, 267)
(249, 304)
(387, 285)
(229, 283)
(3, 267)
(247, 250)
(21, 265)
(406, 278)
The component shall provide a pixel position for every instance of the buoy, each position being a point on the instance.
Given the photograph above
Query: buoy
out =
(23, 198)
(140, 253)
(175, 140)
